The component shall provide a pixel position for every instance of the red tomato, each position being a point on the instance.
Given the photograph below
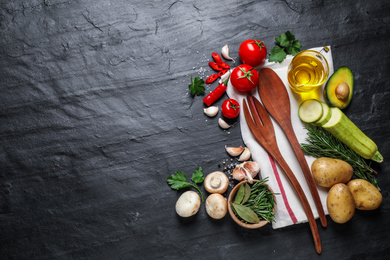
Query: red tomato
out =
(252, 52)
(244, 78)
(230, 108)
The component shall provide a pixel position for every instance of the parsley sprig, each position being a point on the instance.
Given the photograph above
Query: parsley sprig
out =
(286, 44)
(196, 86)
(178, 180)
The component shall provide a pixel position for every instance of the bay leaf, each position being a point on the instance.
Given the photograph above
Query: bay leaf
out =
(239, 195)
(247, 193)
(246, 213)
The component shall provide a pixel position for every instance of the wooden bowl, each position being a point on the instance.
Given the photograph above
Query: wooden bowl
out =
(234, 217)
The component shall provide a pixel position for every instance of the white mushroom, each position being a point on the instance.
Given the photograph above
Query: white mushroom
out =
(216, 182)
(216, 206)
(188, 204)
(246, 170)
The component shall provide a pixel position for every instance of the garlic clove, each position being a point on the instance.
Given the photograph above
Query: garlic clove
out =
(225, 52)
(223, 124)
(234, 151)
(246, 154)
(211, 111)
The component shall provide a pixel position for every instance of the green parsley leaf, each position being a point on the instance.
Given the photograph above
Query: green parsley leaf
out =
(277, 54)
(197, 87)
(178, 180)
(197, 176)
(290, 36)
(294, 48)
(286, 44)
(282, 40)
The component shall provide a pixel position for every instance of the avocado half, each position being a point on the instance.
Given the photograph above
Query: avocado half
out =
(343, 74)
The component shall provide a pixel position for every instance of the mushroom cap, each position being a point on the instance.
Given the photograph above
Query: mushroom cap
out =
(188, 204)
(216, 206)
(216, 182)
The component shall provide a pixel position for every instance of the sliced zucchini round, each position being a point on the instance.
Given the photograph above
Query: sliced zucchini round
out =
(326, 114)
(310, 111)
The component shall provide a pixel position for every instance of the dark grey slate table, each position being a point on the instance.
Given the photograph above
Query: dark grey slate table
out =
(95, 114)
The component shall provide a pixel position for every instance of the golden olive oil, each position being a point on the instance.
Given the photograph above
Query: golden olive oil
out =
(307, 71)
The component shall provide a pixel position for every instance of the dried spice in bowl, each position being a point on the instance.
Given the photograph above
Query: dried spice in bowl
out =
(252, 205)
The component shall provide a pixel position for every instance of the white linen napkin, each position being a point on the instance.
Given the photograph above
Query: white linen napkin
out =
(289, 210)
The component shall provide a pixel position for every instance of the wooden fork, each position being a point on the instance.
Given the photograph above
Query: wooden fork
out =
(260, 124)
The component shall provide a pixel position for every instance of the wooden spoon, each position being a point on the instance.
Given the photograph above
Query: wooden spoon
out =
(275, 99)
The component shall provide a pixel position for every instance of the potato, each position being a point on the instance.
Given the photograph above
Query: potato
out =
(341, 206)
(365, 195)
(327, 171)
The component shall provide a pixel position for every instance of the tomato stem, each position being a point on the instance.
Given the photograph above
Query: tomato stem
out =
(247, 74)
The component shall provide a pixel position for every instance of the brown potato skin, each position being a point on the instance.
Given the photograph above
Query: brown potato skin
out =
(340, 203)
(328, 172)
(365, 195)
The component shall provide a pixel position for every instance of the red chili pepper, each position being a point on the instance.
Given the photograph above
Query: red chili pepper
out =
(216, 57)
(224, 65)
(222, 72)
(215, 66)
(216, 93)
(211, 79)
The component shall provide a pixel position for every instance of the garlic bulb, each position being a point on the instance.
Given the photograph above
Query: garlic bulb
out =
(211, 111)
(246, 170)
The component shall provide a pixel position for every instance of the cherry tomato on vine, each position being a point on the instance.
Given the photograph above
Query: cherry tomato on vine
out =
(252, 52)
(244, 78)
(230, 108)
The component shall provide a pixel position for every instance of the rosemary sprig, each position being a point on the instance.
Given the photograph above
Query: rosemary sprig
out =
(261, 200)
(324, 144)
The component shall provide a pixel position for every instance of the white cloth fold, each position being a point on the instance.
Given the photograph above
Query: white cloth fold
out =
(289, 210)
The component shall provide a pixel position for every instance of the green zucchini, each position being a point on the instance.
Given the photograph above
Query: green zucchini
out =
(340, 126)
(310, 111)
(326, 114)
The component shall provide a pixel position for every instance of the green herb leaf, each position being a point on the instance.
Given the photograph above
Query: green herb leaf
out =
(294, 48)
(290, 36)
(277, 54)
(239, 195)
(246, 213)
(197, 176)
(282, 40)
(196, 86)
(247, 193)
(286, 44)
(178, 181)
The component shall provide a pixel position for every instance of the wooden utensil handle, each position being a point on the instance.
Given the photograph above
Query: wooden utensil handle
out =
(302, 197)
(306, 171)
